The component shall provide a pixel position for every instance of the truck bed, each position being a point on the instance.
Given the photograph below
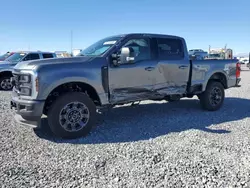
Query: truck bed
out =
(202, 70)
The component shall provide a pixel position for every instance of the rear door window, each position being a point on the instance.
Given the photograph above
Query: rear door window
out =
(170, 49)
(47, 55)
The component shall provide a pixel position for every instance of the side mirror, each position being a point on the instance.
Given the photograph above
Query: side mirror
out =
(127, 55)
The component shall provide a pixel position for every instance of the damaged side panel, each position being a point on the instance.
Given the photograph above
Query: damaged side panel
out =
(132, 94)
(172, 77)
(131, 82)
(199, 73)
(134, 83)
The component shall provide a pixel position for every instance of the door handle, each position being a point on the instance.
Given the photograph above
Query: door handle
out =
(183, 66)
(149, 68)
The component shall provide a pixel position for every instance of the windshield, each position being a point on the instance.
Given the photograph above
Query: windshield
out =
(100, 47)
(4, 56)
(16, 57)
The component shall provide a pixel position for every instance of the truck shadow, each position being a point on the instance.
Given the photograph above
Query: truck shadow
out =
(145, 121)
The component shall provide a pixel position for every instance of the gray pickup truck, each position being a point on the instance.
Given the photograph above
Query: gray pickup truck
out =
(113, 71)
(7, 65)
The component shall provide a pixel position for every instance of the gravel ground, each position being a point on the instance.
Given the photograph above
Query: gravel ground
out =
(153, 145)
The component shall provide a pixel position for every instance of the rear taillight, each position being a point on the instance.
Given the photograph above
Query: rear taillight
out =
(237, 70)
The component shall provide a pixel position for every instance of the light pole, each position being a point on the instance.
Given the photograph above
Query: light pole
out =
(71, 42)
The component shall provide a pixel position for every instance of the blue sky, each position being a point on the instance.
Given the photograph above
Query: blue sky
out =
(46, 25)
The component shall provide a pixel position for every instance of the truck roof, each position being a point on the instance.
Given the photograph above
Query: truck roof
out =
(148, 34)
(33, 52)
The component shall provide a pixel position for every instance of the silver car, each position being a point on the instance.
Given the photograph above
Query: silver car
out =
(7, 65)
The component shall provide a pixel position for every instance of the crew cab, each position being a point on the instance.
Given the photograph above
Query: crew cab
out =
(16, 57)
(116, 70)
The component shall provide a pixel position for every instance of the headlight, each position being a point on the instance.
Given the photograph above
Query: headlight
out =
(25, 91)
(25, 84)
(24, 79)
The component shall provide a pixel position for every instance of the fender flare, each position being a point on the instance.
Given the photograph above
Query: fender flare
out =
(210, 76)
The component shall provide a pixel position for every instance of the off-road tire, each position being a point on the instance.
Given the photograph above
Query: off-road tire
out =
(58, 105)
(205, 99)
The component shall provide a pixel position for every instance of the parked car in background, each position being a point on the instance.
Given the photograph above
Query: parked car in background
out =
(6, 55)
(248, 64)
(116, 70)
(244, 63)
(197, 53)
(192, 51)
(7, 65)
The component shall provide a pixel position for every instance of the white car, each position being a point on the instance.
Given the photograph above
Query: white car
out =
(244, 63)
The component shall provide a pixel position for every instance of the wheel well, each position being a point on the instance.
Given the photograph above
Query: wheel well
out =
(69, 87)
(219, 77)
(6, 73)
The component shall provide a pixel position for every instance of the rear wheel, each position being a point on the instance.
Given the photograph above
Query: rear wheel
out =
(213, 97)
(72, 115)
(5, 83)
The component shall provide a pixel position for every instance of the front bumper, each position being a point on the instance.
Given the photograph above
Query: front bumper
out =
(27, 112)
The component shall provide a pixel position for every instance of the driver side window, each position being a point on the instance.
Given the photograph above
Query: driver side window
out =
(141, 49)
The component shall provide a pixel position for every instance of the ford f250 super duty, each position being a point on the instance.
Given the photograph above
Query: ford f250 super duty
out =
(113, 71)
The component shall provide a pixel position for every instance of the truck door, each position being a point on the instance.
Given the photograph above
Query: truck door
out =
(173, 66)
(133, 81)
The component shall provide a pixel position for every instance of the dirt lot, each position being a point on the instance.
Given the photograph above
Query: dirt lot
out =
(155, 144)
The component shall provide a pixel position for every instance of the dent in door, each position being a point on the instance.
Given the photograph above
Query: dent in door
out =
(171, 79)
(131, 94)
(132, 84)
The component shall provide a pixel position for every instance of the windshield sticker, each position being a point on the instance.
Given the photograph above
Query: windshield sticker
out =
(109, 42)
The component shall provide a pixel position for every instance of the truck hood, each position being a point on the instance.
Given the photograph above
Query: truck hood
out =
(6, 65)
(31, 65)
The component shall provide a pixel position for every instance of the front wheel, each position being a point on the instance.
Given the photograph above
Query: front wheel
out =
(72, 115)
(213, 97)
(5, 83)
